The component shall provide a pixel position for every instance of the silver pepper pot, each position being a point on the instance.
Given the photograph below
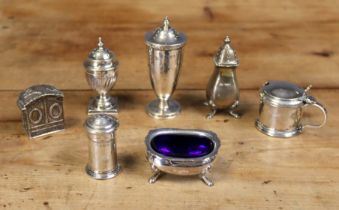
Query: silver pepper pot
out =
(165, 54)
(102, 159)
(222, 90)
(101, 74)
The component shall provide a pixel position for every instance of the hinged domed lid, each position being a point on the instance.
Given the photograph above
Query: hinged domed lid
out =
(36, 92)
(226, 56)
(101, 123)
(283, 93)
(165, 37)
(101, 59)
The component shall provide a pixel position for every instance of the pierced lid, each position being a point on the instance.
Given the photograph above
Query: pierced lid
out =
(101, 59)
(226, 56)
(165, 37)
(283, 92)
(101, 123)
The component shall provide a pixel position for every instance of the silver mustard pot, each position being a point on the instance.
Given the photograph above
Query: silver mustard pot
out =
(222, 90)
(281, 109)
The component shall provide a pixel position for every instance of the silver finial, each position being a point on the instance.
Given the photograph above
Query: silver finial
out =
(227, 40)
(100, 43)
(166, 23)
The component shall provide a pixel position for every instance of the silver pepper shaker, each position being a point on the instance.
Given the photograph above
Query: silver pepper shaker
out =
(222, 90)
(101, 74)
(165, 54)
(102, 163)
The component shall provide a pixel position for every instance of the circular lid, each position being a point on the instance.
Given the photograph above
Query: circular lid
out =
(165, 37)
(101, 123)
(226, 56)
(283, 92)
(101, 58)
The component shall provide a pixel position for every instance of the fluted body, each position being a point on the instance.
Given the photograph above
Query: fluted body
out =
(101, 74)
(102, 81)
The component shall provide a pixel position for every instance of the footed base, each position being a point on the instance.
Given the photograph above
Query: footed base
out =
(105, 175)
(153, 109)
(276, 133)
(111, 108)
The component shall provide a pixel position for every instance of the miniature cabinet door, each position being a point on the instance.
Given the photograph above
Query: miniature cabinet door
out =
(36, 114)
(54, 109)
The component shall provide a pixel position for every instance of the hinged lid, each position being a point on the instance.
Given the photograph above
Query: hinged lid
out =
(165, 37)
(101, 123)
(35, 92)
(226, 56)
(101, 59)
(283, 93)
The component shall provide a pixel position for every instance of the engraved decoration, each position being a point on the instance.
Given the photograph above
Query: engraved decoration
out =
(42, 110)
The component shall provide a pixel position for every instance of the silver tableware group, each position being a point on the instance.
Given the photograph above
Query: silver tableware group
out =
(280, 111)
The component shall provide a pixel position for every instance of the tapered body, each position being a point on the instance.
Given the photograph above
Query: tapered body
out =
(165, 52)
(222, 91)
(164, 67)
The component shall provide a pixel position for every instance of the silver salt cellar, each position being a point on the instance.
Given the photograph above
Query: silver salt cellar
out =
(42, 110)
(222, 90)
(102, 160)
(165, 52)
(101, 74)
(183, 152)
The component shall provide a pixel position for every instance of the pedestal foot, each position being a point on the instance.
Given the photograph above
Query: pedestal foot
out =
(109, 107)
(156, 110)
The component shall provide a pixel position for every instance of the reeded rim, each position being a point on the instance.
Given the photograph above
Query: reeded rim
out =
(203, 160)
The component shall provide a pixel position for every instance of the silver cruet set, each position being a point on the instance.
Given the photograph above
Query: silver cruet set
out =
(184, 152)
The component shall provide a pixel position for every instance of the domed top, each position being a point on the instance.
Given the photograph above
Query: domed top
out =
(101, 123)
(165, 37)
(101, 58)
(35, 92)
(226, 56)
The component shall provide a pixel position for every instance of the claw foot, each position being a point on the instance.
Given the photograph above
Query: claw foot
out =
(155, 176)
